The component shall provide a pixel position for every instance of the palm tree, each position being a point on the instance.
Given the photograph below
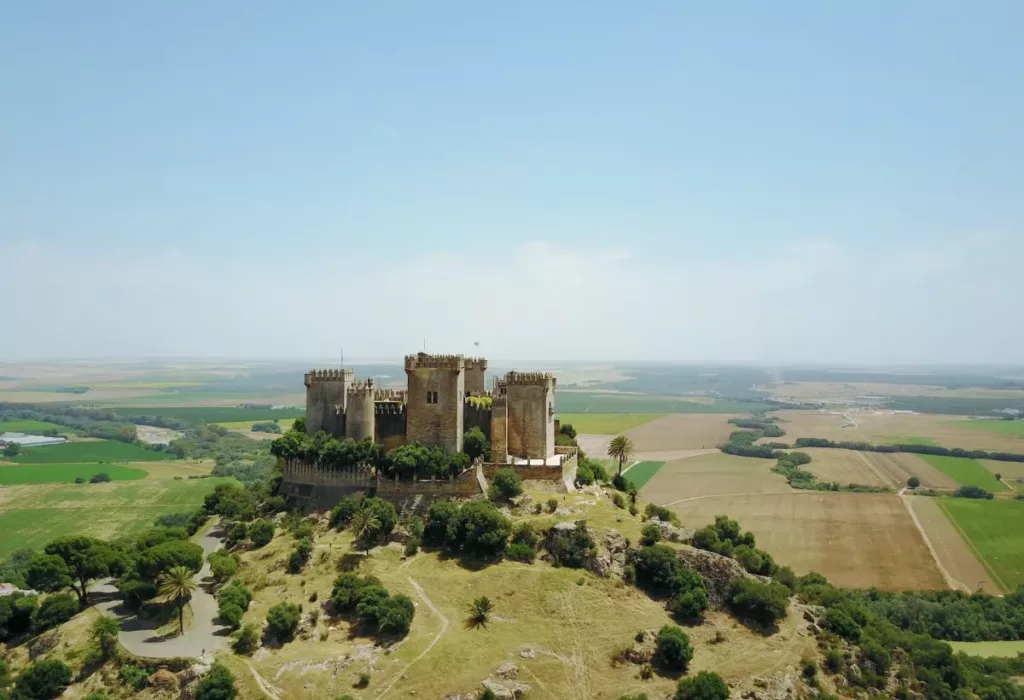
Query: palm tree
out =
(365, 524)
(176, 585)
(620, 448)
(480, 611)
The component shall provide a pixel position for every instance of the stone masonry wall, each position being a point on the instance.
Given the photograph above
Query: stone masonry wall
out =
(359, 415)
(499, 430)
(389, 424)
(325, 395)
(435, 423)
(476, 417)
(476, 375)
(531, 415)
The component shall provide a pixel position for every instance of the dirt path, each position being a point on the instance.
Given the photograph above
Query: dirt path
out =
(444, 628)
(204, 634)
(950, 581)
(267, 689)
(807, 492)
(577, 662)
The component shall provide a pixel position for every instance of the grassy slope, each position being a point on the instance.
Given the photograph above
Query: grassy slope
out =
(64, 473)
(99, 451)
(642, 472)
(992, 529)
(31, 516)
(968, 472)
(606, 423)
(1013, 428)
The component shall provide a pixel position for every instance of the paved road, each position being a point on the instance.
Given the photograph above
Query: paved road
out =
(203, 634)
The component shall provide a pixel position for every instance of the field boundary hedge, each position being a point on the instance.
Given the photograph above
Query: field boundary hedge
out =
(914, 449)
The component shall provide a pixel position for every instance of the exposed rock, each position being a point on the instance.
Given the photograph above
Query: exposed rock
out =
(563, 526)
(507, 691)
(611, 561)
(508, 670)
(674, 533)
(400, 534)
(42, 645)
(164, 679)
(528, 654)
(811, 613)
(193, 672)
(718, 571)
(523, 500)
(564, 511)
(770, 688)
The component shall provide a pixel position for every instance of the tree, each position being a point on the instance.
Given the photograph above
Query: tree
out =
(13, 569)
(104, 633)
(482, 531)
(176, 586)
(100, 478)
(261, 532)
(999, 477)
(706, 685)
(442, 522)
(218, 684)
(475, 443)
(621, 449)
(913, 482)
(505, 485)
(672, 649)
(11, 449)
(55, 610)
(365, 526)
(283, 620)
(567, 429)
(480, 611)
(47, 573)
(43, 680)
(247, 640)
(87, 559)
(16, 612)
(650, 534)
(222, 565)
(385, 512)
(155, 561)
(760, 602)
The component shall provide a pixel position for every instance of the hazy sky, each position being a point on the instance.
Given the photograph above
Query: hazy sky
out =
(765, 181)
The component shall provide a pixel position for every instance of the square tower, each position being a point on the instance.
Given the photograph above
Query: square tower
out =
(476, 373)
(435, 400)
(326, 400)
(530, 399)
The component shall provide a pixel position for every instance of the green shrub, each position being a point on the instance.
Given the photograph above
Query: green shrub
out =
(759, 602)
(412, 546)
(231, 615)
(222, 564)
(248, 639)
(690, 605)
(672, 650)
(571, 548)
(261, 533)
(481, 531)
(300, 556)
(618, 500)
(42, 680)
(133, 676)
(706, 685)
(835, 660)
(505, 485)
(475, 444)
(283, 620)
(441, 524)
(836, 620)
(552, 505)
(518, 551)
(55, 610)
(217, 684)
(343, 512)
(650, 534)
(661, 513)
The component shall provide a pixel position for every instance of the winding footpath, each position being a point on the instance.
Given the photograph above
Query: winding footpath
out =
(204, 635)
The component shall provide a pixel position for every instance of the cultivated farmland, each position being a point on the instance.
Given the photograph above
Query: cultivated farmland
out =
(92, 451)
(712, 474)
(615, 402)
(212, 414)
(993, 529)
(606, 423)
(31, 427)
(855, 540)
(956, 556)
(1012, 428)
(874, 468)
(1001, 649)
(31, 516)
(968, 472)
(64, 473)
(689, 431)
(642, 472)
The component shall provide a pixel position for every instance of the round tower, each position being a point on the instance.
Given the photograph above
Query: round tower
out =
(359, 415)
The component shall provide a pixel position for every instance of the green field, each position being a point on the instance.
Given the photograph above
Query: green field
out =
(1004, 649)
(31, 427)
(212, 414)
(1013, 428)
(968, 472)
(98, 451)
(993, 530)
(64, 473)
(641, 473)
(570, 402)
(31, 516)
(606, 423)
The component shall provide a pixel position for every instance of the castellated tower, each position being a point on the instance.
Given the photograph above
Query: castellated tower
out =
(359, 413)
(326, 400)
(476, 372)
(435, 400)
(530, 398)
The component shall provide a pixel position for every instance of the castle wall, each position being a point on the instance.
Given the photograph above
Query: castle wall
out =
(476, 417)
(476, 375)
(499, 430)
(305, 485)
(389, 424)
(326, 395)
(531, 414)
(435, 423)
(359, 415)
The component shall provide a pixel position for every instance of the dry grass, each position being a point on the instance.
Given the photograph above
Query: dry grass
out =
(953, 552)
(874, 468)
(893, 428)
(682, 431)
(714, 474)
(856, 540)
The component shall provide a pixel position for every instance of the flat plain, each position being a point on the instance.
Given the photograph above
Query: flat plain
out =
(968, 472)
(606, 423)
(1013, 428)
(954, 553)
(92, 451)
(642, 472)
(687, 431)
(31, 427)
(64, 473)
(709, 475)
(993, 529)
(856, 540)
(874, 468)
(1001, 649)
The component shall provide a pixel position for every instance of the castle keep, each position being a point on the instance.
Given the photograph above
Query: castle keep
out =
(446, 395)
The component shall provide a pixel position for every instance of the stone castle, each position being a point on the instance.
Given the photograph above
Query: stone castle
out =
(446, 395)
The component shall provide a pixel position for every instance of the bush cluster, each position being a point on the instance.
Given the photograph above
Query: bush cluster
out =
(571, 548)
(657, 569)
(476, 529)
(232, 602)
(282, 621)
(725, 537)
(365, 598)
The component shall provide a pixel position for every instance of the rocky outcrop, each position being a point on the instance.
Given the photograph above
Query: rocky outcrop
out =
(718, 571)
(674, 533)
(769, 688)
(507, 690)
(611, 559)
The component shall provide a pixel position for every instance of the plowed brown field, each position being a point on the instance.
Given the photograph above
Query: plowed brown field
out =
(874, 468)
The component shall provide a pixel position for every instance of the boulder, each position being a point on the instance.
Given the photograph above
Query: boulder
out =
(164, 680)
(718, 571)
(507, 691)
(528, 654)
(400, 534)
(508, 671)
(674, 533)
(42, 645)
(611, 561)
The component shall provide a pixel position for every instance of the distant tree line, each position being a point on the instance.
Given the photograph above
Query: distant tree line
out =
(916, 449)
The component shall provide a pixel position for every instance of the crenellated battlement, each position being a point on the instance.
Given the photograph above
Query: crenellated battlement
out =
(382, 408)
(317, 376)
(399, 395)
(545, 379)
(475, 363)
(422, 359)
(362, 388)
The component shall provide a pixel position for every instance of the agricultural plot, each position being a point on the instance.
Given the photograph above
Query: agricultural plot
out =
(614, 402)
(64, 473)
(93, 451)
(1007, 650)
(689, 431)
(993, 529)
(855, 540)
(642, 472)
(31, 516)
(951, 549)
(196, 415)
(874, 468)
(968, 472)
(1013, 428)
(1012, 472)
(894, 428)
(606, 423)
(711, 475)
(31, 427)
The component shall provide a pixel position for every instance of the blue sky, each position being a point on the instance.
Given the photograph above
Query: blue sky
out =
(790, 181)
